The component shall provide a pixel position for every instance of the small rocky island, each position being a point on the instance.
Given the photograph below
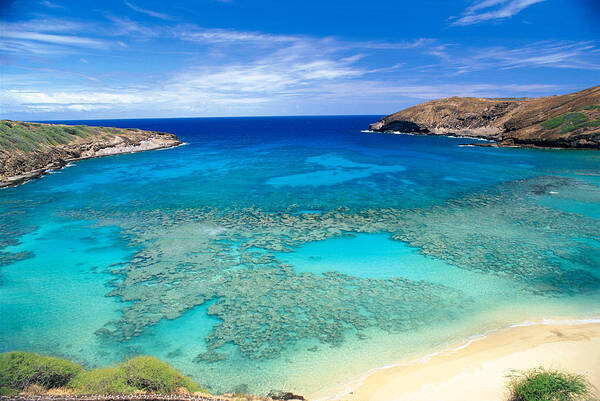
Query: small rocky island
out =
(567, 121)
(30, 150)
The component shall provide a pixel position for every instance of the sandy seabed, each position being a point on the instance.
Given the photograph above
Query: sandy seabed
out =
(478, 369)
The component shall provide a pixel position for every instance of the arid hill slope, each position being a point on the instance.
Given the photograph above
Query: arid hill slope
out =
(567, 121)
(29, 150)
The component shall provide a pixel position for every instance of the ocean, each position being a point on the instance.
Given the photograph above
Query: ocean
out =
(294, 253)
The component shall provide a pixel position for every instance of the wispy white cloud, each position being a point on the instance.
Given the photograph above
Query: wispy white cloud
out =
(291, 71)
(44, 25)
(202, 88)
(205, 89)
(50, 4)
(62, 98)
(47, 37)
(194, 33)
(29, 48)
(235, 72)
(201, 98)
(386, 92)
(148, 12)
(554, 54)
(265, 77)
(55, 39)
(124, 26)
(551, 54)
(486, 10)
(119, 99)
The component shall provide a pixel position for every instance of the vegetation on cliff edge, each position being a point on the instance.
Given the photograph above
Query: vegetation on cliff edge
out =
(28, 137)
(19, 370)
(22, 370)
(569, 122)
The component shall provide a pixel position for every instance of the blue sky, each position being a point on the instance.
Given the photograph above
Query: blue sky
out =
(182, 58)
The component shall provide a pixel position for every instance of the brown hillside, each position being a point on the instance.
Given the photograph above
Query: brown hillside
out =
(567, 121)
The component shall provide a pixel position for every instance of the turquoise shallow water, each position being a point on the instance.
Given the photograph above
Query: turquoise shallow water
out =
(294, 253)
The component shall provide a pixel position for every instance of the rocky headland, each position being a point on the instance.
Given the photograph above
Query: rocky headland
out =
(566, 121)
(30, 150)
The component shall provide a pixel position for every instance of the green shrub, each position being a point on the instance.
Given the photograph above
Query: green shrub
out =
(568, 122)
(101, 381)
(549, 385)
(142, 373)
(553, 122)
(150, 374)
(28, 137)
(573, 121)
(21, 369)
(592, 107)
(8, 391)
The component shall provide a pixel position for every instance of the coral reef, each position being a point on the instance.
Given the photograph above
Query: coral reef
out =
(193, 256)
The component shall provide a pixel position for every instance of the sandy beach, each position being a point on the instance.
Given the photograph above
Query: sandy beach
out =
(477, 370)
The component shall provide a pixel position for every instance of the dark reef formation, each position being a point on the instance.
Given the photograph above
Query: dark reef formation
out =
(265, 307)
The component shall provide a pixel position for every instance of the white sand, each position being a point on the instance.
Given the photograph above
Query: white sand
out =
(478, 371)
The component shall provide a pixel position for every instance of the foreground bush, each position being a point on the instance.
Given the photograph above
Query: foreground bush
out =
(152, 375)
(8, 391)
(101, 381)
(23, 370)
(549, 385)
(143, 373)
(19, 370)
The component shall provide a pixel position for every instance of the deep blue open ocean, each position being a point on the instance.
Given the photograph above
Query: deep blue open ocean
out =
(294, 253)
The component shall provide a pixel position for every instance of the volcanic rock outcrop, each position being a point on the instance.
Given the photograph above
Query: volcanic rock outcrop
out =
(566, 121)
(29, 150)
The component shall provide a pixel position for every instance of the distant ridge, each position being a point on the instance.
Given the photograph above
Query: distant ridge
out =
(566, 121)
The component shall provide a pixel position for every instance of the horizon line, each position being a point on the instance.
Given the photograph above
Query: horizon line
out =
(190, 118)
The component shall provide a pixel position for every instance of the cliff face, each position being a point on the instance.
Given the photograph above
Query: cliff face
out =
(567, 121)
(29, 150)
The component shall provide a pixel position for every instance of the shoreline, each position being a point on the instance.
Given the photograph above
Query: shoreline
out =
(447, 135)
(21, 179)
(486, 142)
(480, 363)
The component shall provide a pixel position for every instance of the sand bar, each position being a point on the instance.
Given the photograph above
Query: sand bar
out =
(477, 369)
